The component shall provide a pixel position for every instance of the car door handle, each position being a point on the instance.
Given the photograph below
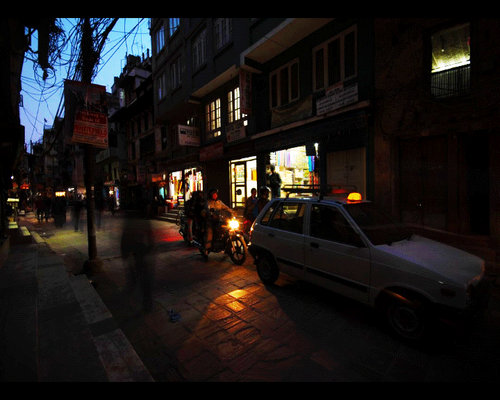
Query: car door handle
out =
(314, 244)
(270, 234)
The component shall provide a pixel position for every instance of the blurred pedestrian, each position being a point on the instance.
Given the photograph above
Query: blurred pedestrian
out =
(77, 210)
(39, 205)
(137, 252)
(99, 206)
(47, 207)
(59, 211)
(111, 204)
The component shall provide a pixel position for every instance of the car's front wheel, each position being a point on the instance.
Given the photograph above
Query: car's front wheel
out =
(267, 269)
(407, 318)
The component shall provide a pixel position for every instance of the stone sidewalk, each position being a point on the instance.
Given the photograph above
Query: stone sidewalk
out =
(54, 327)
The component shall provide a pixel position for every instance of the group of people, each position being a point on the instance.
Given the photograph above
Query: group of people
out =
(203, 216)
(47, 207)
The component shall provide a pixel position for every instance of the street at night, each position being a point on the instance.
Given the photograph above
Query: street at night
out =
(215, 321)
(236, 199)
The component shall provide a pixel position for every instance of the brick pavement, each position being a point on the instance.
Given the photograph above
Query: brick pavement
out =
(233, 328)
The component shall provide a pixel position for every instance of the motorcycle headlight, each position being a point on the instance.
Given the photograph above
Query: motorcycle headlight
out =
(234, 224)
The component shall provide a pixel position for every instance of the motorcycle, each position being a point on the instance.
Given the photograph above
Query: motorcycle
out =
(227, 237)
(181, 222)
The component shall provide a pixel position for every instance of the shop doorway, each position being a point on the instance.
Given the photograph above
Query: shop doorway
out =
(243, 173)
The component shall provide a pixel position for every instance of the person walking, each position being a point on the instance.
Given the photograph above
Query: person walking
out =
(137, 245)
(77, 209)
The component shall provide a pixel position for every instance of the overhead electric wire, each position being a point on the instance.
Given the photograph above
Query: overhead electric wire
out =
(70, 61)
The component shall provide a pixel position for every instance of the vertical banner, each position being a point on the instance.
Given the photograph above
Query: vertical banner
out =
(245, 91)
(86, 113)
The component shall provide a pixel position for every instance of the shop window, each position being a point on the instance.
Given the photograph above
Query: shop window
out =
(295, 166)
(213, 119)
(335, 60)
(284, 84)
(450, 70)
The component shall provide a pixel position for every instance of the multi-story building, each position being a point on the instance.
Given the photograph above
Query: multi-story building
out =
(134, 117)
(397, 109)
(236, 95)
(437, 129)
(112, 161)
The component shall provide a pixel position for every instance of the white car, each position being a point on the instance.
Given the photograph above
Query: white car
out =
(351, 248)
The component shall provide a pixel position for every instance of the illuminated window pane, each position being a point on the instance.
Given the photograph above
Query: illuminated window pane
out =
(451, 48)
(450, 70)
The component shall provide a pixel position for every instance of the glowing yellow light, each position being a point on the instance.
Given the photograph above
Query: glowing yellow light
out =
(60, 194)
(234, 224)
(354, 197)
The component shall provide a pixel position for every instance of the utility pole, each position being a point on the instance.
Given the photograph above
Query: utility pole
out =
(89, 60)
(93, 264)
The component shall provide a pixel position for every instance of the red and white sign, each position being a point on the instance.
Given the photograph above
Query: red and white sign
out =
(86, 106)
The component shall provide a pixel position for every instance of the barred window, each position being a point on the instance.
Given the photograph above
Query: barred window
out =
(450, 70)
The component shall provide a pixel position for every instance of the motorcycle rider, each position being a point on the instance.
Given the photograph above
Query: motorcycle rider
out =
(212, 214)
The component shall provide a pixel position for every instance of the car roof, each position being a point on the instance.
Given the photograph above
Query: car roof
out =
(323, 199)
(336, 195)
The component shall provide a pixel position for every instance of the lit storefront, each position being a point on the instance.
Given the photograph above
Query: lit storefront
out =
(295, 167)
(181, 185)
(243, 173)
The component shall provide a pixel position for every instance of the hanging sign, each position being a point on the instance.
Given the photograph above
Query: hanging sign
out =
(245, 91)
(86, 113)
(188, 135)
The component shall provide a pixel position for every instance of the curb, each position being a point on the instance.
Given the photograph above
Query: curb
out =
(115, 353)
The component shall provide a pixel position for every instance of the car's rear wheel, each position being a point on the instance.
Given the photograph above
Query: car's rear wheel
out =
(267, 269)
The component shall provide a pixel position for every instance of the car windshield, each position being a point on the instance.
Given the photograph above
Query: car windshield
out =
(376, 225)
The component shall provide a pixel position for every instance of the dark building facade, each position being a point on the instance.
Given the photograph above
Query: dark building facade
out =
(256, 92)
(401, 110)
(437, 164)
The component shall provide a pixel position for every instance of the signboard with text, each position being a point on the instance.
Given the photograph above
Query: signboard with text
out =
(188, 135)
(86, 113)
(336, 97)
(235, 131)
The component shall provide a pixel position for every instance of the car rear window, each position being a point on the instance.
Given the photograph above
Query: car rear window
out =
(379, 227)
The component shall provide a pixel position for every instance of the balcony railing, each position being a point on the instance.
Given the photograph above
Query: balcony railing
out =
(451, 82)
